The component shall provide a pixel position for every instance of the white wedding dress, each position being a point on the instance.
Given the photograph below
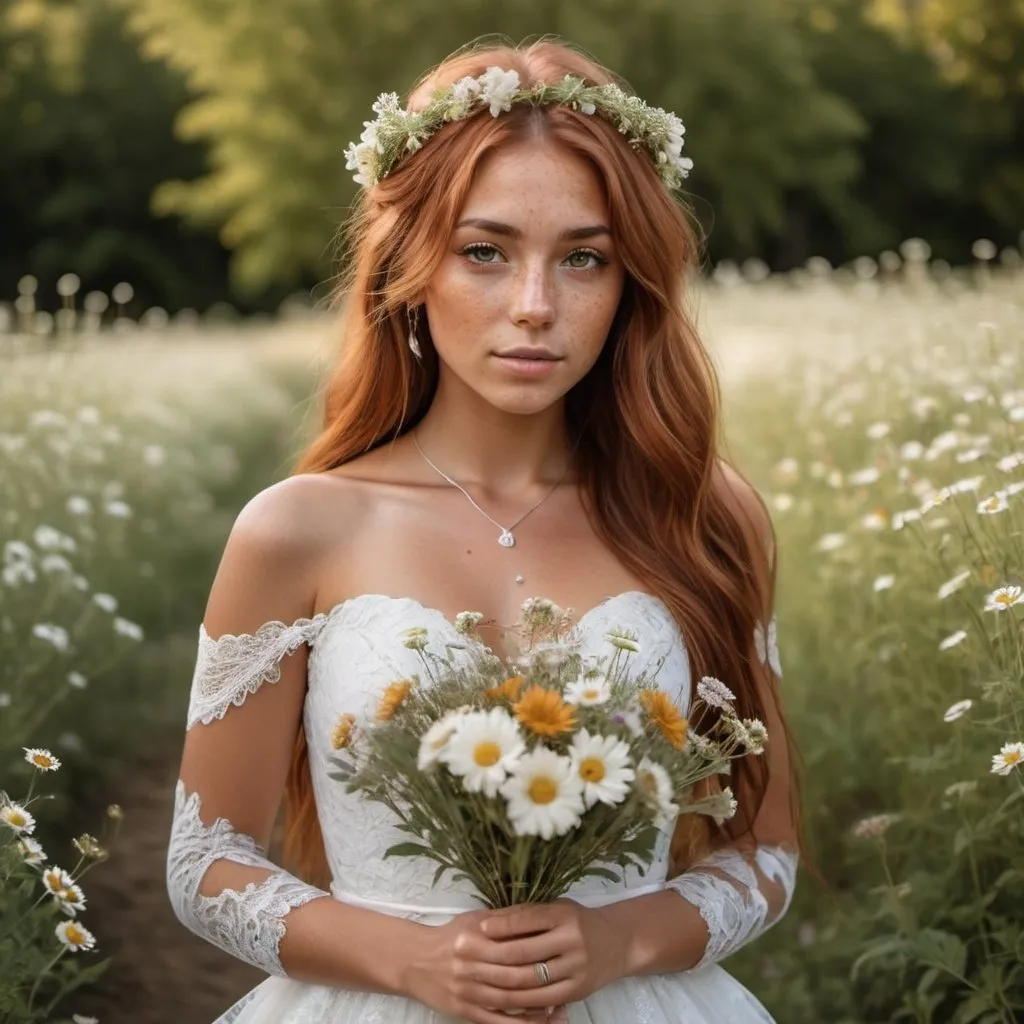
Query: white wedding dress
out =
(354, 651)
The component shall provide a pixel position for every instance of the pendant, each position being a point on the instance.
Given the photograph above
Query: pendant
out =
(506, 540)
(519, 579)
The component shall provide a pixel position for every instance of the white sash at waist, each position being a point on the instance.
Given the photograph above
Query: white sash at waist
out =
(594, 899)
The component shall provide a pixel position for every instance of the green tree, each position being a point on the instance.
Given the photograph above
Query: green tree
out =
(281, 89)
(87, 130)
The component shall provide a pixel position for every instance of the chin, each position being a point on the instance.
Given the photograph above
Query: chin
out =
(522, 401)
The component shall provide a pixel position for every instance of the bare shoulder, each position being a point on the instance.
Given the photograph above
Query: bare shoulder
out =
(269, 567)
(752, 512)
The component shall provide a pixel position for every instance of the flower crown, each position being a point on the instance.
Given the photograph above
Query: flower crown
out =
(398, 132)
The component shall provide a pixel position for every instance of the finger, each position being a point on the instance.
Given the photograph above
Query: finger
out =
(522, 920)
(529, 950)
(558, 993)
(521, 977)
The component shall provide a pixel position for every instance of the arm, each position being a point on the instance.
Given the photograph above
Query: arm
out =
(737, 892)
(244, 712)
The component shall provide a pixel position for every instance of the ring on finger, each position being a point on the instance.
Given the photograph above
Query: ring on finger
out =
(543, 974)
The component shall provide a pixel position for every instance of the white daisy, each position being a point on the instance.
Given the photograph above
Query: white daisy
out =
(1003, 598)
(71, 899)
(883, 583)
(900, 519)
(1008, 758)
(486, 745)
(436, 738)
(41, 759)
(954, 711)
(587, 691)
(655, 786)
(129, 629)
(75, 936)
(993, 504)
(31, 852)
(16, 817)
(544, 794)
(953, 639)
(951, 586)
(1008, 463)
(602, 763)
(56, 880)
(715, 693)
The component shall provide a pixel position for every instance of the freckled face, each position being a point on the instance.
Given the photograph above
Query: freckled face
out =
(523, 300)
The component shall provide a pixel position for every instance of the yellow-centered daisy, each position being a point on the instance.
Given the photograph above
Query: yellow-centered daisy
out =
(603, 766)
(484, 747)
(544, 794)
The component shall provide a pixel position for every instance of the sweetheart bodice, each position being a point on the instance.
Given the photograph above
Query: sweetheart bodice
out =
(356, 649)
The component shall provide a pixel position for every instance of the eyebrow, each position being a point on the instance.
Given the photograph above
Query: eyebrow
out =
(498, 228)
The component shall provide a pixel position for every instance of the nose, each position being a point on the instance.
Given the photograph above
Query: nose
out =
(533, 300)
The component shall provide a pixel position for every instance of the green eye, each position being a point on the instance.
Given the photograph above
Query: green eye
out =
(578, 260)
(481, 252)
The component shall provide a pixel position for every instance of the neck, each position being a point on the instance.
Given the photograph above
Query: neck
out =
(499, 452)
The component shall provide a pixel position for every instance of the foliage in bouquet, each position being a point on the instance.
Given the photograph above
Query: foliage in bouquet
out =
(525, 775)
(40, 904)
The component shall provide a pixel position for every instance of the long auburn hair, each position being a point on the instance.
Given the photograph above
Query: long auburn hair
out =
(647, 412)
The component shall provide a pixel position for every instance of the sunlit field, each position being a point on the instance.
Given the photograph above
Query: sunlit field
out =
(880, 411)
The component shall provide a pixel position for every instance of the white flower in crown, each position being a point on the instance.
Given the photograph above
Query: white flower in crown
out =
(497, 87)
(464, 94)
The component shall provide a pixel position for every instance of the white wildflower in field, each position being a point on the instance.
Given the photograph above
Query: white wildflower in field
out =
(106, 601)
(78, 505)
(911, 451)
(900, 519)
(787, 469)
(1011, 489)
(603, 765)
(830, 542)
(54, 563)
(588, 692)
(41, 759)
(878, 430)
(47, 538)
(75, 936)
(70, 899)
(485, 747)
(129, 629)
(715, 693)
(31, 852)
(118, 509)
(782, 502)
(1009, 757)
(863, 477)
(875, 521)
(957, 710)
(961, 789)
(544, 793)
(77, 1018)
(924, 405)
(77, 680)
(1004, 598)
(992, 505)
(56, 879)
(976, 393)
(967, 485)
(875, 826)
(970, 455)
(15, 817)
(953, 639)
(52, 634)
(951, 586)
(1008, 463)
(883, 583)
(5, 699)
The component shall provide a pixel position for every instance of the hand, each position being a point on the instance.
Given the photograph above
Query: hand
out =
(582, 950)
(451, 967)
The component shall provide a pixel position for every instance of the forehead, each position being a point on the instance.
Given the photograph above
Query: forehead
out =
(536, 181)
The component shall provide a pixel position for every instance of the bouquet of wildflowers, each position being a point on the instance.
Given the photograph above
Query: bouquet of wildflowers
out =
(525, 775)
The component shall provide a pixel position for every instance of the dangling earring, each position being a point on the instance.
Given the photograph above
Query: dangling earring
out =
(414, 319)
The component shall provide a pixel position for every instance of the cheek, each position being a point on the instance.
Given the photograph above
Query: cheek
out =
(457, 296)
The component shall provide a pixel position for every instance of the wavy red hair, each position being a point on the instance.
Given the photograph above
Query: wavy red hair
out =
(650, 468)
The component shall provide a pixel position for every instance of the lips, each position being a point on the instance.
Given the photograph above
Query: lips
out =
(541, 354)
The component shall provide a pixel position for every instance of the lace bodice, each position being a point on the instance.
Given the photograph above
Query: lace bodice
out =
(355, 650)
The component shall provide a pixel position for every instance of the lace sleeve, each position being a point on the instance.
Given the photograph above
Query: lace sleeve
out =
(220, 882)
(741, 892)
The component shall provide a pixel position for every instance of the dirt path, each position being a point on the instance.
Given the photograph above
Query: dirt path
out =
(162, 973)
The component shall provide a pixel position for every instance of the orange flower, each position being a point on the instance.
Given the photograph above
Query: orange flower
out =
(342, 735)
(507, 690)
(665, 715)
(392, 699)
(544, 712)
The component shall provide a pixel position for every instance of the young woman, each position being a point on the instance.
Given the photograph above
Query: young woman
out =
(521, 407)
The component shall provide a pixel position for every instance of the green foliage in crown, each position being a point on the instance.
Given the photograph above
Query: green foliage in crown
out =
(397, 132)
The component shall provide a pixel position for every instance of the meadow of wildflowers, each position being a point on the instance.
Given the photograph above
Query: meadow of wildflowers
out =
(123, 461)
(888, 438)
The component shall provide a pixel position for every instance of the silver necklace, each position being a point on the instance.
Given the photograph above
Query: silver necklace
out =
(505, 538)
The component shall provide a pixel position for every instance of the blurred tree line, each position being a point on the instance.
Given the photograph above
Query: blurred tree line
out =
(194, 147)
